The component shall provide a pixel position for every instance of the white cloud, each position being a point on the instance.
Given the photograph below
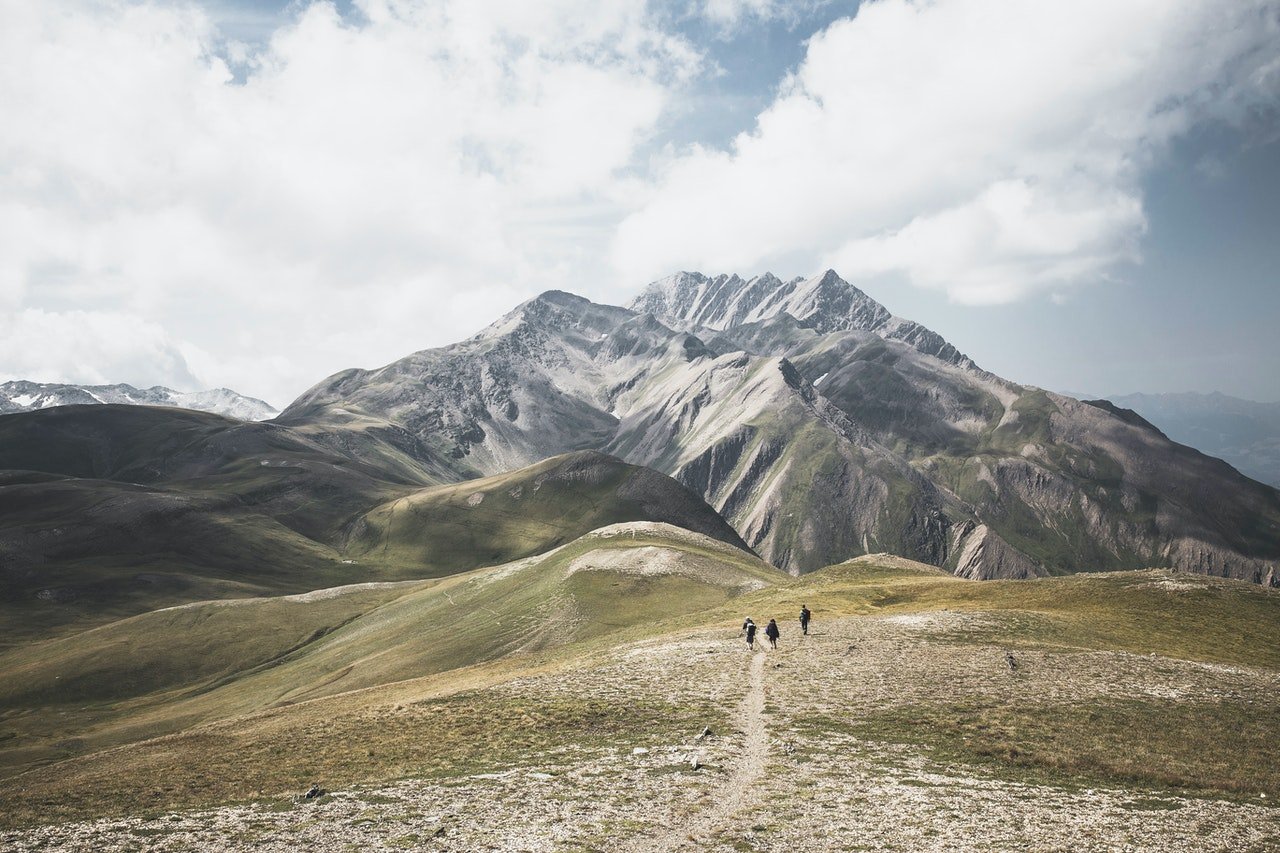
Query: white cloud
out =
(362, 171)
(91, 347)
(986, 148)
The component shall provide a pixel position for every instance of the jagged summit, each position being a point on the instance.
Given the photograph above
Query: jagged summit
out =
(825, 303)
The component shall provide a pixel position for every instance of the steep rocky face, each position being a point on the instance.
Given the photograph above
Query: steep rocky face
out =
(801, 482)
(821, 427)
(1054, 482)
(534, 384)
(804, 485)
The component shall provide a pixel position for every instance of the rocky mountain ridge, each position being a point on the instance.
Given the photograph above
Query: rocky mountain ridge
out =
(1243, 432)
(822, 434)
(24, 396)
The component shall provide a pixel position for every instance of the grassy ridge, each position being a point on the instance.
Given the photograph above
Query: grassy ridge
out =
(131, 509)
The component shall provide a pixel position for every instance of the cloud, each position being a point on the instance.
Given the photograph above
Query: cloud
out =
(92, 347)
(990, 149)
(729, 15)
(348, 179)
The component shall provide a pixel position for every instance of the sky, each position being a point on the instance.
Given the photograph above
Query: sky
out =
(255, 194)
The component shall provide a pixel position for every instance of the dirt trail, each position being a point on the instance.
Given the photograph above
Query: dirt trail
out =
(739, 789)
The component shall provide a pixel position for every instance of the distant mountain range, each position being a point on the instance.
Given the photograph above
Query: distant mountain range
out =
(23, 396)
(1244, 433)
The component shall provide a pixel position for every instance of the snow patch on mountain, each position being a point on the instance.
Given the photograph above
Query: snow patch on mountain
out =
(24, 396)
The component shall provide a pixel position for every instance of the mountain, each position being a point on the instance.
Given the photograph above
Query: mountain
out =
(821, 427)
(1244, 433)
(23, 396)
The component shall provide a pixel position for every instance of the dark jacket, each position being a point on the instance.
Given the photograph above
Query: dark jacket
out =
(771, 631)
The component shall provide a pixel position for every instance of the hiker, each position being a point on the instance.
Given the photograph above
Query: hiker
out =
(771, 631)
(804, 619)
(750, 628)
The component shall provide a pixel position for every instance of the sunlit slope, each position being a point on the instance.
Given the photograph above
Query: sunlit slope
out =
(1181, 614)
(446, 529)
(190, 647)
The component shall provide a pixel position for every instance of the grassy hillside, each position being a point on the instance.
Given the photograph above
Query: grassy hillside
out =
(165, 671)
(111, 511)
(446, 529)
(81, 552)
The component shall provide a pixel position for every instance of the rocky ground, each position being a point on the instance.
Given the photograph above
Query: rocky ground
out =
(791, 770)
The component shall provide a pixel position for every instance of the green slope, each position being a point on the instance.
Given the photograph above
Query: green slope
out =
(78, 552)
(446, 529)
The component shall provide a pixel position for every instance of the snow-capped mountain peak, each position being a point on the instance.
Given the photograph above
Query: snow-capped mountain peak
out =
(23, 396)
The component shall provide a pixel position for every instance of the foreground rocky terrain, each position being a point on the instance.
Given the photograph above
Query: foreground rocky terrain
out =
(920, 713)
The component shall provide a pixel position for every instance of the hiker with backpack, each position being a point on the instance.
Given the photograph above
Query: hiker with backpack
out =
(804, 619)
(749, 628)
(771, 631)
